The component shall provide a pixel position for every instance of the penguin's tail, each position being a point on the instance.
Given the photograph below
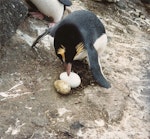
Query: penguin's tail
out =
(48, 31)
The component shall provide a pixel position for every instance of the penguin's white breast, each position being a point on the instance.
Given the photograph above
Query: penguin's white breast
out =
(50, 8)
(100, 44)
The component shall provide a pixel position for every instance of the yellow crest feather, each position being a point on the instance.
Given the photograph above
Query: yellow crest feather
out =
(79, 48)
(61, 51)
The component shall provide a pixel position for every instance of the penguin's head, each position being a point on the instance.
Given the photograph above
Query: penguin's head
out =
(67, 54)
(68, 43)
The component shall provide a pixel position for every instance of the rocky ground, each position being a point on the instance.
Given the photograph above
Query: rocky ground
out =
(30, 108)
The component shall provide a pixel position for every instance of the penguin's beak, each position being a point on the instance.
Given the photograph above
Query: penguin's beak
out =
(68, 67)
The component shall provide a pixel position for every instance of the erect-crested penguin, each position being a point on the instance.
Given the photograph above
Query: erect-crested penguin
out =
(52, 8)
(78, 35)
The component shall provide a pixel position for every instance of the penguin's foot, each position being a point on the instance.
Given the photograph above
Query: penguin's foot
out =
(51, 24)
(37, 15)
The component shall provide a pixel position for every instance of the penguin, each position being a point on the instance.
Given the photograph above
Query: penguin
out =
(79, 35)
(52, 8)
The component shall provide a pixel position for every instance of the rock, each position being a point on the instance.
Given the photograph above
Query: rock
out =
(107, 0)
(62, 87)
(76, 125)
(133, 30)
(146, 4)
(122, 4)
(112, 0)
(146, 1)
(12, 13)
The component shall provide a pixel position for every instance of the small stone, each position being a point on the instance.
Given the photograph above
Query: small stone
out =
(62, 87)
(76, 125)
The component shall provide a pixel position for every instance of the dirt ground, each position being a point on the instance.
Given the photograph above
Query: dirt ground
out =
(30, 107)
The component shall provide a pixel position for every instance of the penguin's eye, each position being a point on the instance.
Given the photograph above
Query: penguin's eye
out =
(61, 53)
(60, 57)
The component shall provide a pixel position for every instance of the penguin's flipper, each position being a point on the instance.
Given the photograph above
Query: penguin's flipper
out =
(66, 2)
(40, 37)
(96, 68)
(54, 29)
(51, 31)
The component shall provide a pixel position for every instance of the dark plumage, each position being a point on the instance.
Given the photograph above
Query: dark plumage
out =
(65, 2)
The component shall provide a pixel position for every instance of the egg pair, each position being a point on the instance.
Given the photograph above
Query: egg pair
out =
(66, 82)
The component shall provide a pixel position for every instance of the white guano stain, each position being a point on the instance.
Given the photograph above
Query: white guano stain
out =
(62, 111)
(14, 92)
(15, 129)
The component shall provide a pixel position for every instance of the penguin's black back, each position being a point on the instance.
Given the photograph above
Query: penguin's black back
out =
(88, 24)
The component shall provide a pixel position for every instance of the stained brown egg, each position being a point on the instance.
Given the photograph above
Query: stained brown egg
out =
(62, 87)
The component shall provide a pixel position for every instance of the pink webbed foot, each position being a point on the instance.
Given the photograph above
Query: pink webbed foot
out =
(51, 24)
(37, 15)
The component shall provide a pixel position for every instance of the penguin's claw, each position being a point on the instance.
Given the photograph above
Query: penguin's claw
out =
(51, 24)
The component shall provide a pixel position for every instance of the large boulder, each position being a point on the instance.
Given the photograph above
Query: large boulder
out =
(12, 13)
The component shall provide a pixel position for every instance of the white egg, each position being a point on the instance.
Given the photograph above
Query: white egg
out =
(73, 79)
